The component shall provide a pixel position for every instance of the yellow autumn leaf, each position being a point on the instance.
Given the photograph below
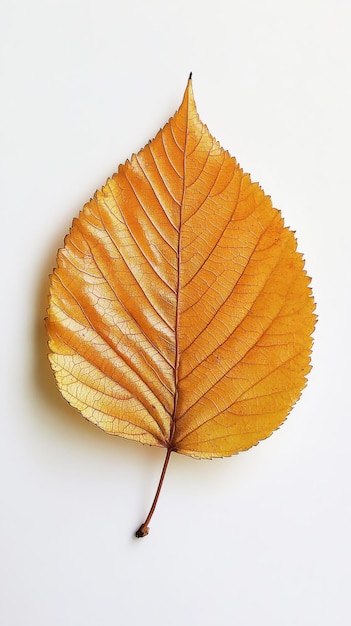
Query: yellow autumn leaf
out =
(180, 312)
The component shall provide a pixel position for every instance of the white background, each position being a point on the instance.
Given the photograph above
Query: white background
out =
(262, 538)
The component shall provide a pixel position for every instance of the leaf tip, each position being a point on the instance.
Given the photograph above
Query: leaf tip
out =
(188, 100)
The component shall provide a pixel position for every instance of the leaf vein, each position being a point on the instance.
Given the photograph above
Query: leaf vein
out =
(213, 417)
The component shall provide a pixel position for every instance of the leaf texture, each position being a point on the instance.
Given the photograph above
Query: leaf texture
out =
(180, 312)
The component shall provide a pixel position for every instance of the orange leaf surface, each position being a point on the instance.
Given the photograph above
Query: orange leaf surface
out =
(180, 312)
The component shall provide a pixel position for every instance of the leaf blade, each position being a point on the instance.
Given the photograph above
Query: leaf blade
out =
(180, 312)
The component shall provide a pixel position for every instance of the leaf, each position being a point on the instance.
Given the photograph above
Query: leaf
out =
(180, 312)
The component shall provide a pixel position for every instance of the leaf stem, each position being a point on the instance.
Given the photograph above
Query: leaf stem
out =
(144, 528)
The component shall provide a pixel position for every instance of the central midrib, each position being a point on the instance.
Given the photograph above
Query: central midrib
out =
(179, 252)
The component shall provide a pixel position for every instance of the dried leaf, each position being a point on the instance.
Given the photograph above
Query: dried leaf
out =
(180, 312)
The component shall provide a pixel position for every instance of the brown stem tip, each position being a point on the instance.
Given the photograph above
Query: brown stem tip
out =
(142, 531)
